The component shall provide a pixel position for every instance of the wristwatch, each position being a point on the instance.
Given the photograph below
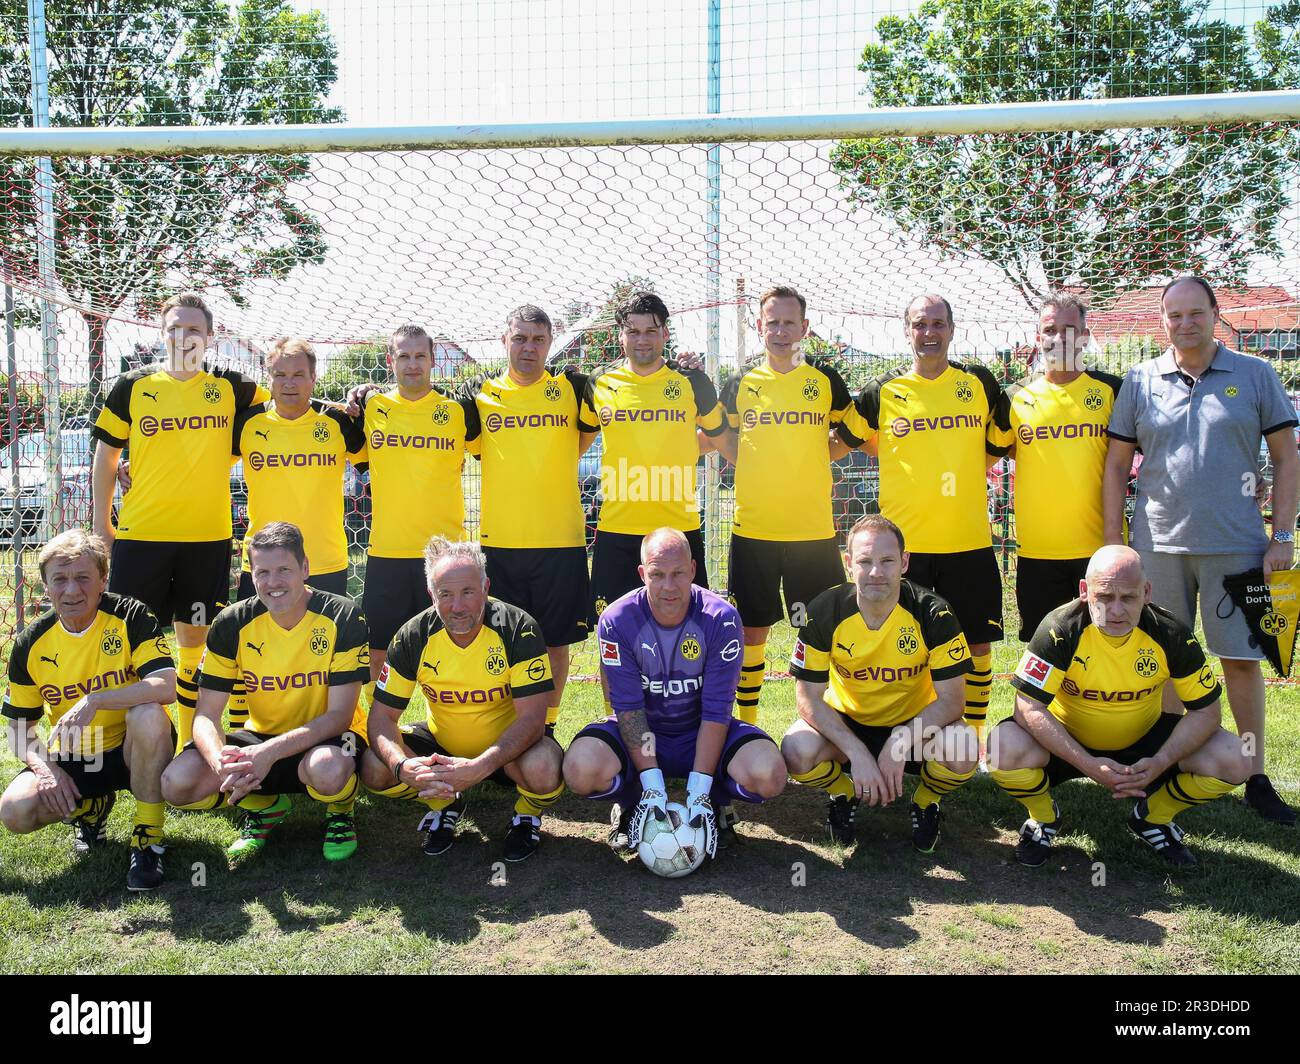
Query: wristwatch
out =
(1283, 537)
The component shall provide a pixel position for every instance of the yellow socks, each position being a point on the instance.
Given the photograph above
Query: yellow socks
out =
(752, 667)
(1029, 787)
(1182, 792)
(828, 776)
(187, 692)
(212, 801)
(530, 803)
(979, 685)
(341, 802)
(936, 781)
(257, 802)
(148, 830)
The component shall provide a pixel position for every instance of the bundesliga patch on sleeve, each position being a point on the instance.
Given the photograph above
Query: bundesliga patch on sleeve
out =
(382, 682)
(1034, 669)
(797, 658)
(609, 654)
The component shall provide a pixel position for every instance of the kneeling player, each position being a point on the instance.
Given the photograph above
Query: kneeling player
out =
(486, 678)
(879, 671)
(1089, 705)
(672, 653)
(302, 656)
(98, 667)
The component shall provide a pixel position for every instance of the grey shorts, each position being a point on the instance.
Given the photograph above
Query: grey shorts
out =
(1177, 580)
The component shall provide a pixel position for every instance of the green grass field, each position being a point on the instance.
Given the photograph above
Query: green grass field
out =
(783, 901)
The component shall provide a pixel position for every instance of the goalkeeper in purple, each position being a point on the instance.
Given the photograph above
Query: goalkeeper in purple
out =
(672, 654)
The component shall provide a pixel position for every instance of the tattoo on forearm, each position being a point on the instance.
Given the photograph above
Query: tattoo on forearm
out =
(636, 732)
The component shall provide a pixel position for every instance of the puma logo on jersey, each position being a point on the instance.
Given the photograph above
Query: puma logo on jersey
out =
(847, 649)
(1082, 661)
(1055, 638)
(53, 661)
(653, 650)
(149, 395)
(265, 435)
(752, 389)
(256, 646)
(432, 668)
(899, 396)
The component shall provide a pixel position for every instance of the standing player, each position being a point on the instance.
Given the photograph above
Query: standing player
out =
(648, 410)
(486, 680)
(98, 667)
(416, 439)
(301, 654)
(532, 526)
(879, 686)
(1089, 705)
(171, 546)
(938, 423)
(671, 653)
(1059, 442)
(781, 414)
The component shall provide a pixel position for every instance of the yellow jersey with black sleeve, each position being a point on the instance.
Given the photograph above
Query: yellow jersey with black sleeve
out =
(294, 470)
(881, 676)
(783, 468)
(1106, 689)
(287, 673)
(470, 691)
(933, 438)
(52, 669)
(1060, 440)
(416, 450)
(178, 435)
(648, 466)
(528, 446)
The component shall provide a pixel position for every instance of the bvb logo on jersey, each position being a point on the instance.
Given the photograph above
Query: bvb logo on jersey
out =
(496, 662)
(672, 390)
(320, 642)
(1092, 400)
(964, 391)
(811, 392)
(691, 649)
(441, 416)
(321, 433)
(112, 642)
(1146, 665)
(907, 643)
(212, 394)
(1231, 391)
(1273, 624)
(601, 606)
(553, 391)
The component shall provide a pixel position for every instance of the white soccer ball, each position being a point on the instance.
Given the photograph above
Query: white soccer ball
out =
(671, 847)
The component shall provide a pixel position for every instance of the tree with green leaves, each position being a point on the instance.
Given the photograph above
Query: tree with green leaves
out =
(1107, 209)
(130, 230)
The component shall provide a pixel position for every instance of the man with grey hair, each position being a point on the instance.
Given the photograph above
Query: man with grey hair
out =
(486, 678)
(1058, 436)
(1199, 413)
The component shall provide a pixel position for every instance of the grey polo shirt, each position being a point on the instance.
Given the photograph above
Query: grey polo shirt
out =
(1199, 443)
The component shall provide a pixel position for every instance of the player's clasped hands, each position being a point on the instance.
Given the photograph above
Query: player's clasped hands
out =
(441, 775)
(240, 772)
(1118, 779)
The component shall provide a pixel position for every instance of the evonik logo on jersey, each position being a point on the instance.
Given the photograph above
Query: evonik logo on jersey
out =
(1027, 434)
(496, 422)
(258, 461)
(151, 426)
(477, 697)
(608, 415)
(752, 418)
(295, 681)
(686, 686)
(105, 681)
(902, 426)
(380, 440)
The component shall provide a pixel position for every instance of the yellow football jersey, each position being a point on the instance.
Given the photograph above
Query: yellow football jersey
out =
(648, 467)
(470, 691)
(1060, 450)
(416, 451)
(294, 472)
(884, 676)
(783, 468)
(1106, 690)
(287, 674)
(52, 669)
(933, 438)
(528, 445)
(179, 435)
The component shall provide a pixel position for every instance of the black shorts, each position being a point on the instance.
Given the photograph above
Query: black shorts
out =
(1059, 770)
(420, 741)
(283, 777)
(108, 775)
(1042, 584)
(971, 584)
(334, 583)
(395, 591)
(614, 560)
(186, 582)
(874, 737)
(550, 584)
(761, 569)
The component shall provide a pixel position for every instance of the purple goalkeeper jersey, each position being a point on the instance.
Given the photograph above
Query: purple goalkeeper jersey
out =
(680, 676)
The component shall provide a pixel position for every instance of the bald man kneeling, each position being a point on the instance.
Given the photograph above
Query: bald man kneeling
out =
(1089, 688)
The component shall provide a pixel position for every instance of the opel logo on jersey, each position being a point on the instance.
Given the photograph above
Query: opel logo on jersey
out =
(553, 392)
(691, 649)
(320, 642)
(321, 433)
(212, 394)
(811, 391)
(1206, 678)
(496, 662)
(1092, 399)
(151, 426)
(907, 643)
(964, 392)
(672, 390)
(536, 670)
(112, 642)
(1146, 665)
(441, 416)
